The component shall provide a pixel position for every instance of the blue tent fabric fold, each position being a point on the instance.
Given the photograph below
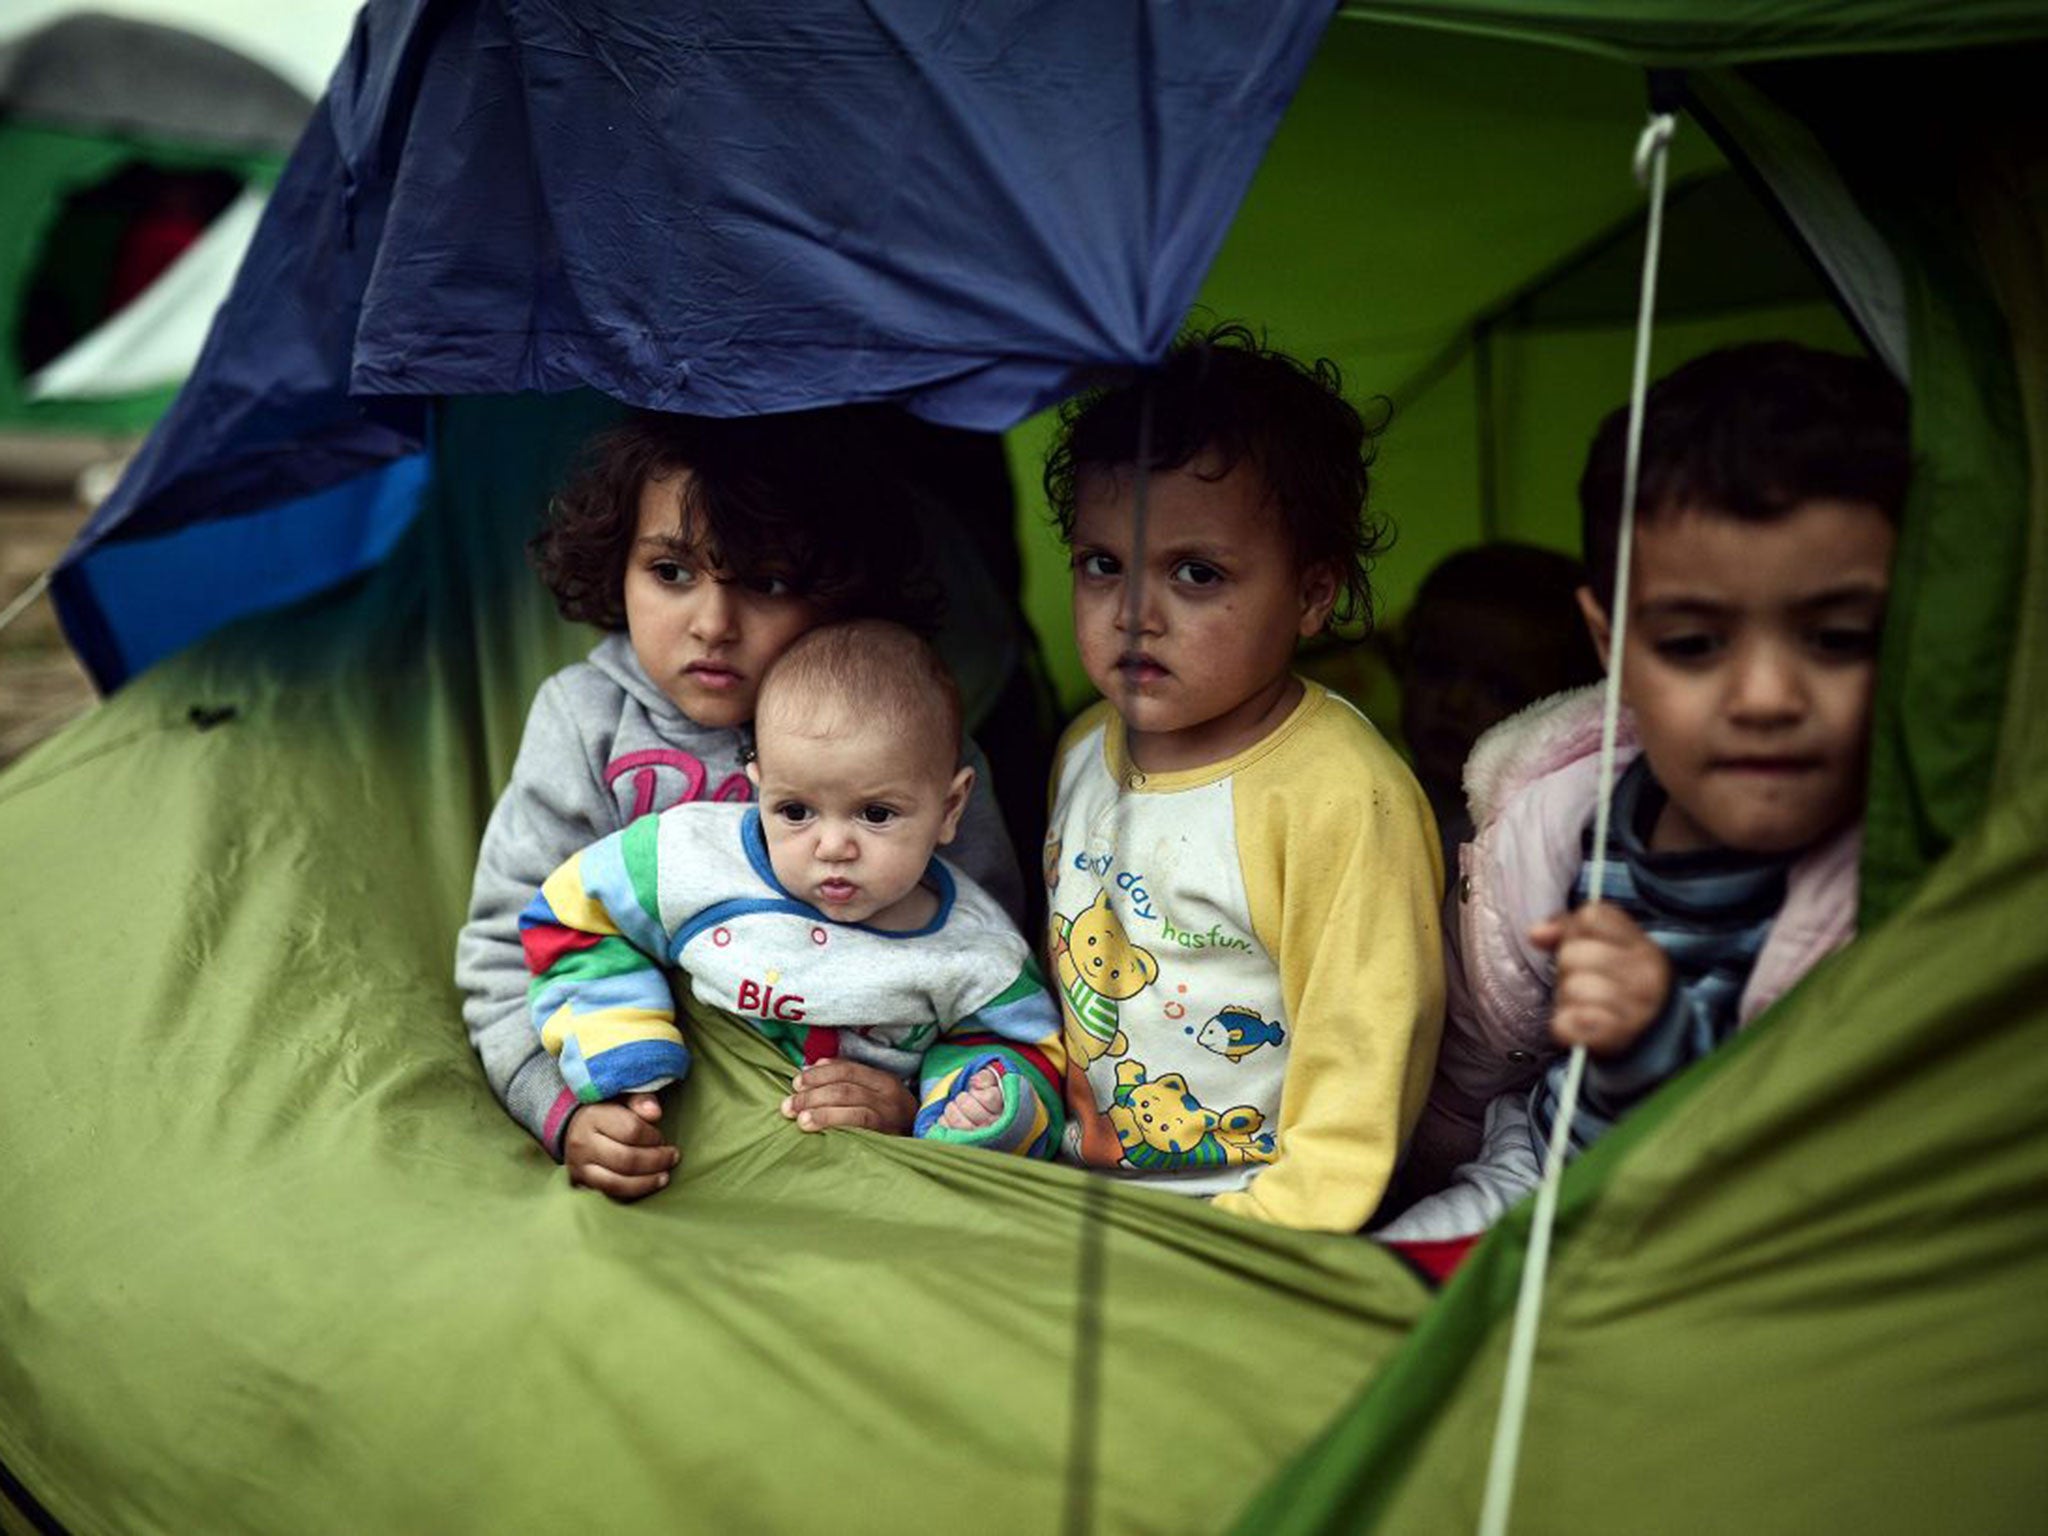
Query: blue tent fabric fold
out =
(725, 209)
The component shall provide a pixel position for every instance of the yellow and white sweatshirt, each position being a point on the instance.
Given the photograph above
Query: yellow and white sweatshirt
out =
(1249, 964)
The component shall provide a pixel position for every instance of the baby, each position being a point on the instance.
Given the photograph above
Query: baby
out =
(1772, 481)
(819, 916)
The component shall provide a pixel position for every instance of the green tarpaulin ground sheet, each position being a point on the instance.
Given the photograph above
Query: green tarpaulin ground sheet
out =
(275, 1261)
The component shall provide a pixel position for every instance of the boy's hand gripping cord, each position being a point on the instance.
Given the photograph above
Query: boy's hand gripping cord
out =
(1653, 150)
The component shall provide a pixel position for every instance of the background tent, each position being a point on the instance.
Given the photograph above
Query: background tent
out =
(251, 1184)
(124, 141)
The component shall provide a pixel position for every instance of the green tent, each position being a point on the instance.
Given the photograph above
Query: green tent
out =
(272, 1260)
(112, 131)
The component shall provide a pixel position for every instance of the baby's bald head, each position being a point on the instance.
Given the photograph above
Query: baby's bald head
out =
(839, 677)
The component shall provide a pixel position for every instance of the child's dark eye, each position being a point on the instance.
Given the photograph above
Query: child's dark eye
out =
(877, 815)
(1844, 642)
(793, 813)
(1196, 573)
(1686, 648)
(1096, 565)
(768, 586)
(672, 573)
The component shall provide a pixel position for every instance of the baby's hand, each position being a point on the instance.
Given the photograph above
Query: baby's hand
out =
(849, 1093)
(978, 1103)
(1612, 981)
(617, 1147)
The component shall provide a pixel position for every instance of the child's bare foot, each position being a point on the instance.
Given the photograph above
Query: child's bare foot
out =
(976, 1105)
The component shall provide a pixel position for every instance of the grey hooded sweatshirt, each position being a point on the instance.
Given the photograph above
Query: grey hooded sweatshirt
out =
(602, 747)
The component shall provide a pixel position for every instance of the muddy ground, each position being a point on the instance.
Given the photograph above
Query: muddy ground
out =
(42, 688)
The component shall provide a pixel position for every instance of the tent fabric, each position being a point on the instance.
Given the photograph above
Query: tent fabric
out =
(153, 342)
(1801, 1290)
(1699, 33)
(1947, 690)
(167, 590)
(277, 1262)
(871, 201)
(1723, 252)
(1807, 186)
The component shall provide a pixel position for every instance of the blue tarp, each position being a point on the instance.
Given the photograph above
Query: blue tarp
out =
(724, 208)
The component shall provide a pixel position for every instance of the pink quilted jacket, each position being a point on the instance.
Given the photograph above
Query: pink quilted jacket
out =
(1531, 784)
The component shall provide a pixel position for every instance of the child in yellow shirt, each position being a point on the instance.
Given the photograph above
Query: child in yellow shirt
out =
(1244, 877)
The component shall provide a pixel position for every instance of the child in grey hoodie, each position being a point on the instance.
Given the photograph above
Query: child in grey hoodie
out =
(704, 548)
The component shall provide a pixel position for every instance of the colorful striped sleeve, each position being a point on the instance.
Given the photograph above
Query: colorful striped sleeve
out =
(1018, 1033)
(595, 944)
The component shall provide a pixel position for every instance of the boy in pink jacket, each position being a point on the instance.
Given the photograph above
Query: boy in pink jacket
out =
(1771, 484)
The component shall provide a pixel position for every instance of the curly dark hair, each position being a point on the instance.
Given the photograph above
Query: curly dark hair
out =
(1224, 396)
(1750, 432)
(802, 497)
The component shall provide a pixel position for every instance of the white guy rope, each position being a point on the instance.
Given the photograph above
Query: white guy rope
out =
(1652, 151)
(24, 598)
